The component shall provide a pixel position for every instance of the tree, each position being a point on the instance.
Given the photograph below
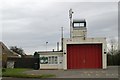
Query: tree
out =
(113, 46)
(113, 53)
(19, 51)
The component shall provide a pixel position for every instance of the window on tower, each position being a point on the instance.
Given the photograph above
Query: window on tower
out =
(82, 24)
(77, 25)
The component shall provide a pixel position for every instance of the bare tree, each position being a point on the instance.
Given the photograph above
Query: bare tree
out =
(113, 46)
(19, 51)
(113, 52)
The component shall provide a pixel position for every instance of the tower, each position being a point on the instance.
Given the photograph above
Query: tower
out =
(79, 29)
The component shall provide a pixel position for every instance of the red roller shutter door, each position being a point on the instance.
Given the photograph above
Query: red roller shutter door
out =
(84, 56)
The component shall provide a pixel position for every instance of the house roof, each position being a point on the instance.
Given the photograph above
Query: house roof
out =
(5, 50)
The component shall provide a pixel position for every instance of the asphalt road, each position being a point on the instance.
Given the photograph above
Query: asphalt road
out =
(61, 79)
(110, 72)
(83, 74)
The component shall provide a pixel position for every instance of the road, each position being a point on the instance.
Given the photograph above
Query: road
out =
(110, 72)
(83, 74)
(62, 79)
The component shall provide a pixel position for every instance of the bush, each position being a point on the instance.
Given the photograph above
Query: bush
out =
(113, 59)
(3, 70)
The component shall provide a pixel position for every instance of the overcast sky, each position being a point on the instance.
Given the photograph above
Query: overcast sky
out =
(30, 23)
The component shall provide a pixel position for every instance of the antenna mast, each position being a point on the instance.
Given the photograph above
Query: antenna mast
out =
(62, 38)
(70, 16)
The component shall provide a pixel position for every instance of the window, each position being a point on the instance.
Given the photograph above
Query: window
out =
(43, 60)
(82, 24)
(76, 24)
(79, 25)
(49, 60)
(56, 60)
(52, 59)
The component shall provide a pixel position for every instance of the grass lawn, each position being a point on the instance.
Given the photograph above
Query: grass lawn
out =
(19, 73)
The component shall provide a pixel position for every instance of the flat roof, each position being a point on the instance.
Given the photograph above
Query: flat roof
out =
(49, 52)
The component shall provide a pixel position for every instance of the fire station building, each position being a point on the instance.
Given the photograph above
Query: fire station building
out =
(79, 52)
(82, 52)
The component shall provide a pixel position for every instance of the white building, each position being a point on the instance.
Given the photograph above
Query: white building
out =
(51, 60)
(82, 52)
(78, 51)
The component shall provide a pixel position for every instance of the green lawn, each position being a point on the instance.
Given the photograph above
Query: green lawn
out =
(19, 73)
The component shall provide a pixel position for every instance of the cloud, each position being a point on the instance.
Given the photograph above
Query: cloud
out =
(106, 23)
(29, 25)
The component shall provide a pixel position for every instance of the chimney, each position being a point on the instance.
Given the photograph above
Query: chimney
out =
(53, 50)
(57, 46)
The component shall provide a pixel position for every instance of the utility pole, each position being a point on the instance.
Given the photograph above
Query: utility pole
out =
(70, 16)
(62, 38)
(46, 46)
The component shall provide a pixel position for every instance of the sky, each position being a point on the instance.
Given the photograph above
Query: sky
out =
(29, 24)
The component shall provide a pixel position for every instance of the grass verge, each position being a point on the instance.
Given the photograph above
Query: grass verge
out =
(19, 73)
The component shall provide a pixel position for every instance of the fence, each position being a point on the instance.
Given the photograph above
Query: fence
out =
(25, 62)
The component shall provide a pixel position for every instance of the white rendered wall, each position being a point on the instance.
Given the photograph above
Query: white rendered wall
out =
(59, 65)
(86, 41)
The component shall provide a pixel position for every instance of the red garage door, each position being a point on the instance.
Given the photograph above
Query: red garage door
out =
(84, 56)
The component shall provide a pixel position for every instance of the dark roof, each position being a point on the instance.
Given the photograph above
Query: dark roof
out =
(29, 56)
(47, 51)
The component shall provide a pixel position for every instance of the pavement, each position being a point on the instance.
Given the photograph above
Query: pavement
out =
(110, 72)
(61, 79)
